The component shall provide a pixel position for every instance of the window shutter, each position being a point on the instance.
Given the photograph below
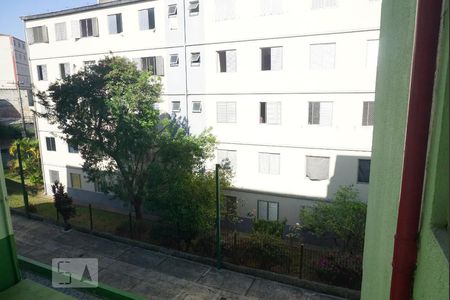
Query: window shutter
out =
(230, 60)
(94, 27)
(221, 112)
(159, 66)
(231, 112)
(54, 176)
(66, 69)
(274, 164)
(274, 112)
(317, 168)
(322, 56)
(370, 114)
(60, 31)
(47, 142)
(151, 18)
(44, 72)
(76, 30)
(271, 7)
(44, 34)
(262, 210)
(138, 62)
(30, 36)
(326, 113)
(264, 162)
(363, 170)
(112, 24)
(276, 58)
(143, 19)
(272, 211)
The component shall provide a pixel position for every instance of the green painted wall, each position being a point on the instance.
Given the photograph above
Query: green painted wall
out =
(392, 91)
(431, 277)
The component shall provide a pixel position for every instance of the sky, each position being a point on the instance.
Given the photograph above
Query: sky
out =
(12, 10)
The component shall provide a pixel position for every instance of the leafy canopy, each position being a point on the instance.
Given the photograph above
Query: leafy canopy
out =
(29, 150)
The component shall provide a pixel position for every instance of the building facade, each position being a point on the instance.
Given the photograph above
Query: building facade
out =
(15, 81)
(286, 86)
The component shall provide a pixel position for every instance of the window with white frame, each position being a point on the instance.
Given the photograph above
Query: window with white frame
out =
(226, 61)
(320, 113)
(272, 58)
(42, 72)
(268, 210)
(38, 34)
(317, 168)
(271, 7)
(88, 63)
(153, 64)
(226, 112)
(195, 59)
(176, 106)
(51, 143)
(269, 163)
(225, 157)
(368, 113)
(64, 70)
(322, 56)
(72, 148)
(115, 24)
(320, 4)
(147, 19)
(270, 112)
(75, 180)
(85, 28)
(225, 10)
(363, 170)
(174, 60)
(194, 8)
(372, 54)
(196, 106)
(60, 31)
(53, 176)
(172, 15)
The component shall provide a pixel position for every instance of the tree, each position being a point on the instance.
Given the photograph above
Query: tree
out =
(344, 218)
(107, 111)
(63, 203)
(29, 150)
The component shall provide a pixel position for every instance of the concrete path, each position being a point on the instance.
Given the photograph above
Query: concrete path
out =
(150, 274)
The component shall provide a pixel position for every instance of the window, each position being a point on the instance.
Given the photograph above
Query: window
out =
(53, 176)
(176, 106)
(174, 60)
(38, 34)
(172, 15)
(196, 107)
(147, 19)
(88, 63)
(317, 168)
(363, 170)
(272, 59)
(73, 148)
(75, 180)
(153, 64)
(226, 112)
(269, 163)
(226, 61)
(194, 8)
(87, 28)
(268, 210)
(368, 109)
(172, 11)
(64, 70)
(51, 145)
(60, 31)
(271, 7)
(319, 4)
(225, 10)
(322, 56)
(227, 157)
(195, 59)
(42, 72)
(115, 24)
(30, 98)
(270, 112)
(372, 54)
(320, 113)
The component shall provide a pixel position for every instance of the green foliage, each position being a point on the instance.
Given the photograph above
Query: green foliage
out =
(341, 269)
(29, 149)
(10, 132)
(344, 218)
(275, 228)
(107, 111)
(63, 203)
(266, 250)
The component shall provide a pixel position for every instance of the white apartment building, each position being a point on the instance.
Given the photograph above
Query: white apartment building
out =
(15, 81)
(287, 86)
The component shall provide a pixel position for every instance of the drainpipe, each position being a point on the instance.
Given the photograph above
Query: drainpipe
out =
(416, 140)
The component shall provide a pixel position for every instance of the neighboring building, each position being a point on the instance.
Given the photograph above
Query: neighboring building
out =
(287, 86)
(15, 81)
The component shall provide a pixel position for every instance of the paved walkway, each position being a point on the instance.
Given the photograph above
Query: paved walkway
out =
(150, 274)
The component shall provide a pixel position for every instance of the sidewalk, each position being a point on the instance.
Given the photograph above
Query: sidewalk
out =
(150, 274)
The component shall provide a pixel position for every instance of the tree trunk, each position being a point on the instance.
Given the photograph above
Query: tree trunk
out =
(138, 210)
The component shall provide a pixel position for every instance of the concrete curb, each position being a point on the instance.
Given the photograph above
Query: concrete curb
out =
(301, 283)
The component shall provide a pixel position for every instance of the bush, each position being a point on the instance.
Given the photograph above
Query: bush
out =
(63, 203)
(342, 269)
(275, 228)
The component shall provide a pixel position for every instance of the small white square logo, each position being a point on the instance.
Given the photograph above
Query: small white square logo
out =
(75, 272)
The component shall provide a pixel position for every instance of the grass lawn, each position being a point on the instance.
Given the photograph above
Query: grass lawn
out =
(103, 221)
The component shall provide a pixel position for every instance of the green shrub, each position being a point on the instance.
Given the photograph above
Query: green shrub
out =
(275, 228)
